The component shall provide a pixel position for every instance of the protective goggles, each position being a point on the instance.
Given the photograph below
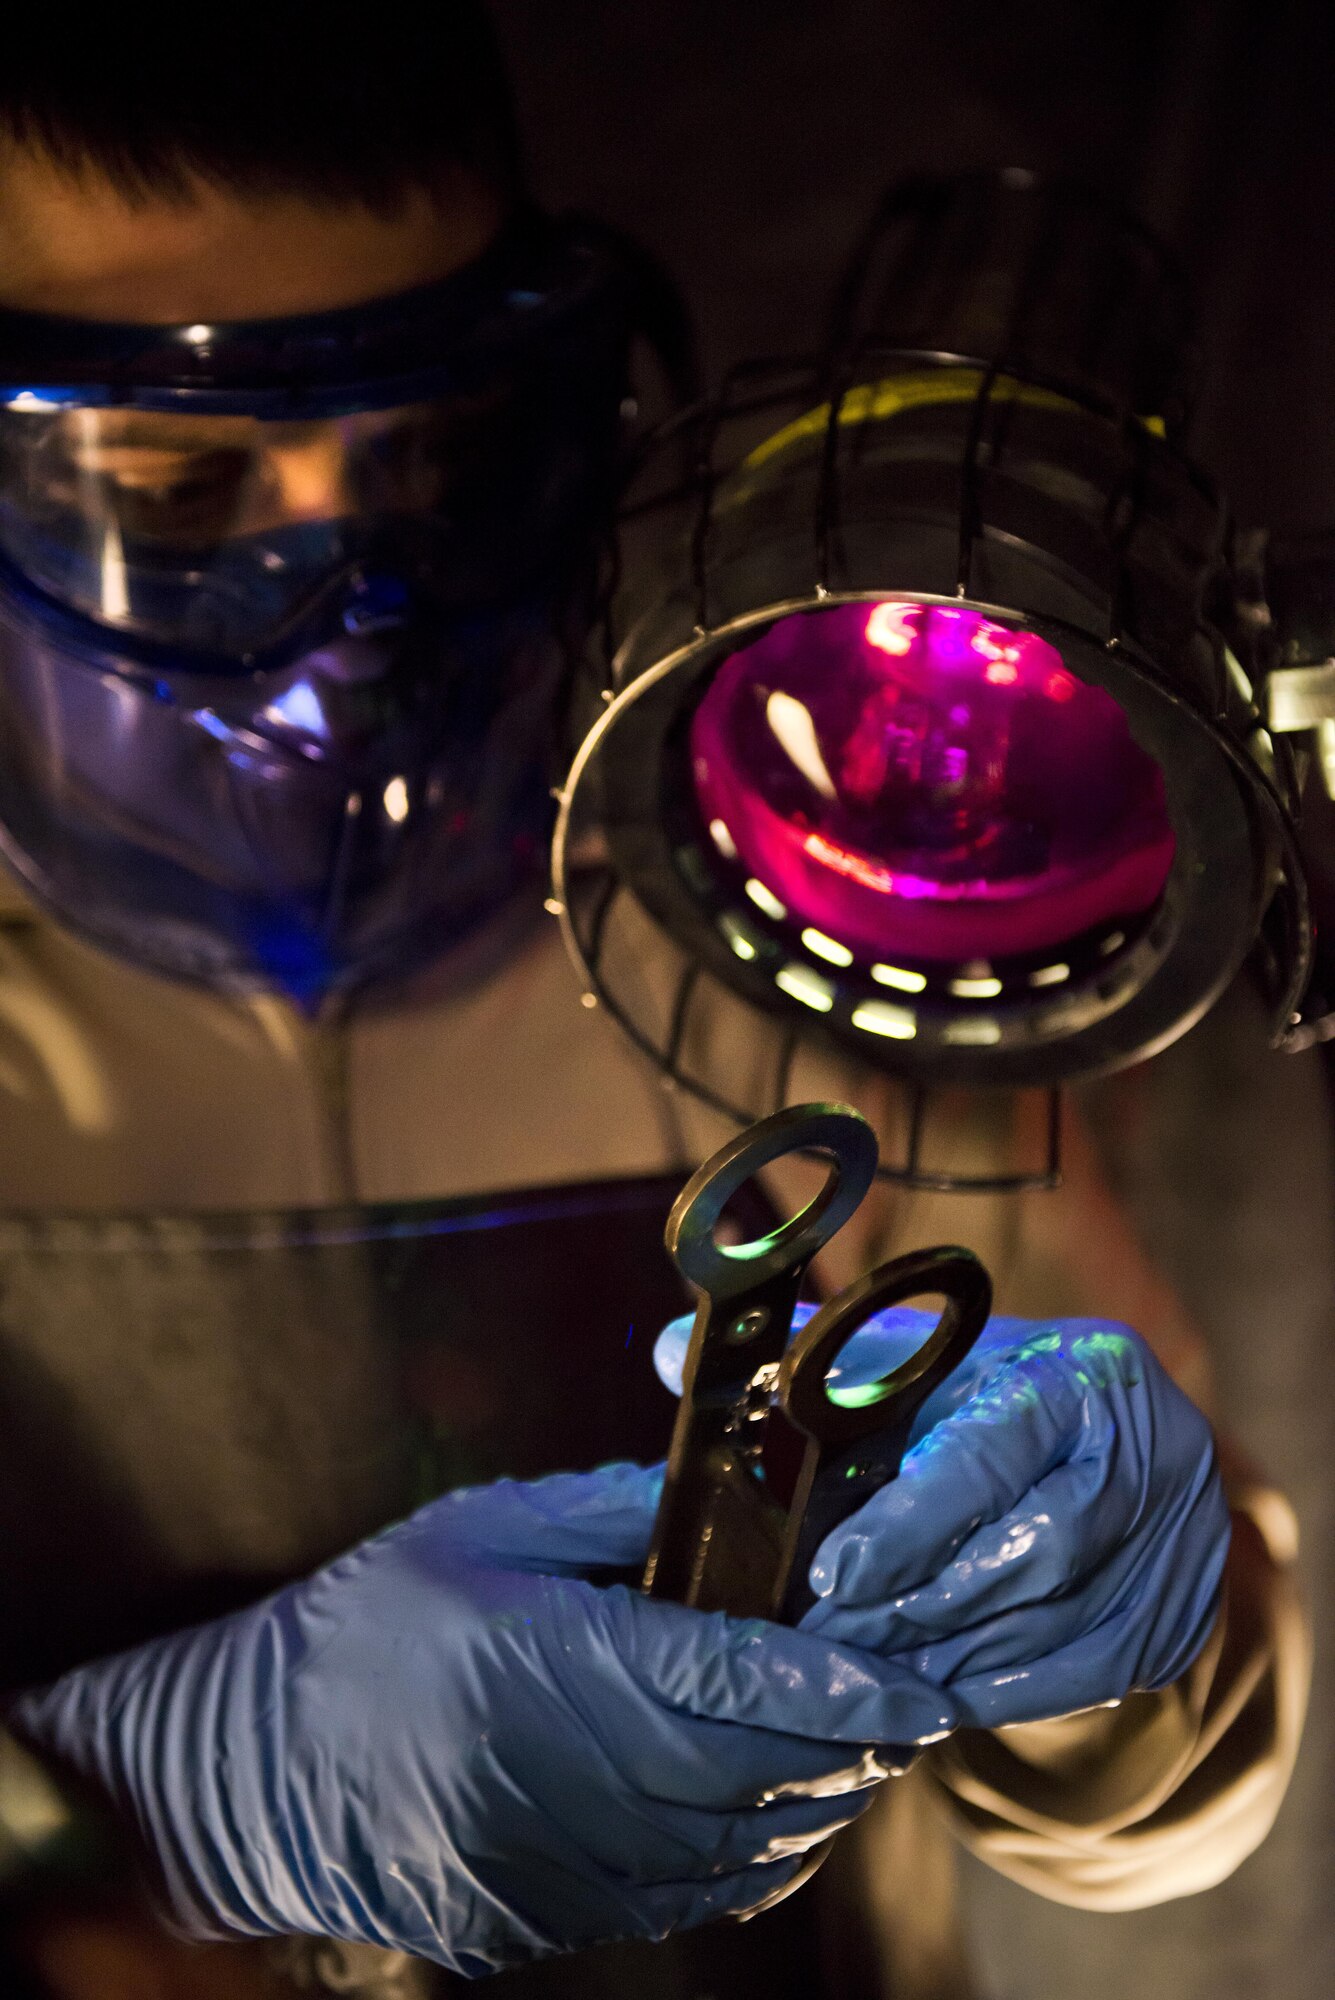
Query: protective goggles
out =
(284, 608)
(943, 737)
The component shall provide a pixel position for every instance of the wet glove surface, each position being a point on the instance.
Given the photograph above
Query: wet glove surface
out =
(448, 1742)
(1056, 1536)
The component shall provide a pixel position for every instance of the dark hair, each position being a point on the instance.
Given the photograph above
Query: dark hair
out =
(329, 103)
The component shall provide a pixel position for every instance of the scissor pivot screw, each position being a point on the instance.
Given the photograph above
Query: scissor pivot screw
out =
(748, 1325)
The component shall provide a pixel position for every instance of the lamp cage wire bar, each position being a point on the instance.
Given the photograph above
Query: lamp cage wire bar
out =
(604, 888)
(772, 383)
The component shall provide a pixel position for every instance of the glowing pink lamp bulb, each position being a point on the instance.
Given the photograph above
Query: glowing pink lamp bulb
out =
(917, 781)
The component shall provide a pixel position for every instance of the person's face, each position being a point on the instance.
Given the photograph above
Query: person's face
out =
(78, 247)
(380, 781)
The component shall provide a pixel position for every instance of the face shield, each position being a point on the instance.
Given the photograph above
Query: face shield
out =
(940, 735)
(285, 610)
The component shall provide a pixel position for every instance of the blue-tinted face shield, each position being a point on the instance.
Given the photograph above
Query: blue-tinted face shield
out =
(285, 610)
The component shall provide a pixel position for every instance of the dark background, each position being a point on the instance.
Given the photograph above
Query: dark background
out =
(745, 141)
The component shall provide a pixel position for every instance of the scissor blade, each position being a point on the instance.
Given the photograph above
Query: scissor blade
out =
(718, 1530)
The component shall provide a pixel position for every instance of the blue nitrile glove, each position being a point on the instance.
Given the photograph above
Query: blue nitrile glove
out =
(449, 1743)
(1056, 1536)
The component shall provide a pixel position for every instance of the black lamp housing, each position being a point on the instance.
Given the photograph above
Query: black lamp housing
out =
(995, 423)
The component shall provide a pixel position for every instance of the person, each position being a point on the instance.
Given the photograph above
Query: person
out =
(230, 994)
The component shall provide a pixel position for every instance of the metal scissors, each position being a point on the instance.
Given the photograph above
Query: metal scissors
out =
(764, 1459)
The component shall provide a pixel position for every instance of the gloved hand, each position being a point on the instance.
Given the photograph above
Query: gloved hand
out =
(1056, 1536)
(449, 1743)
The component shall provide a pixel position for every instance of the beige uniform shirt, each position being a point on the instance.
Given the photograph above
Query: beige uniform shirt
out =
(120, 1092)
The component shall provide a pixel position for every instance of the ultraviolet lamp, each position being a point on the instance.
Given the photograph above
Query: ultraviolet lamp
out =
(934, 715)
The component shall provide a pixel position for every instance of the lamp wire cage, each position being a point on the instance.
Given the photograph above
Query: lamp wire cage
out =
(1013, 300)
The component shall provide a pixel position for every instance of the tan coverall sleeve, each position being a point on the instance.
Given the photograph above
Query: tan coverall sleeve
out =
(1119, 1808)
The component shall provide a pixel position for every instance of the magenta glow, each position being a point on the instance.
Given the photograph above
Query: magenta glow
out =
(919, 781)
